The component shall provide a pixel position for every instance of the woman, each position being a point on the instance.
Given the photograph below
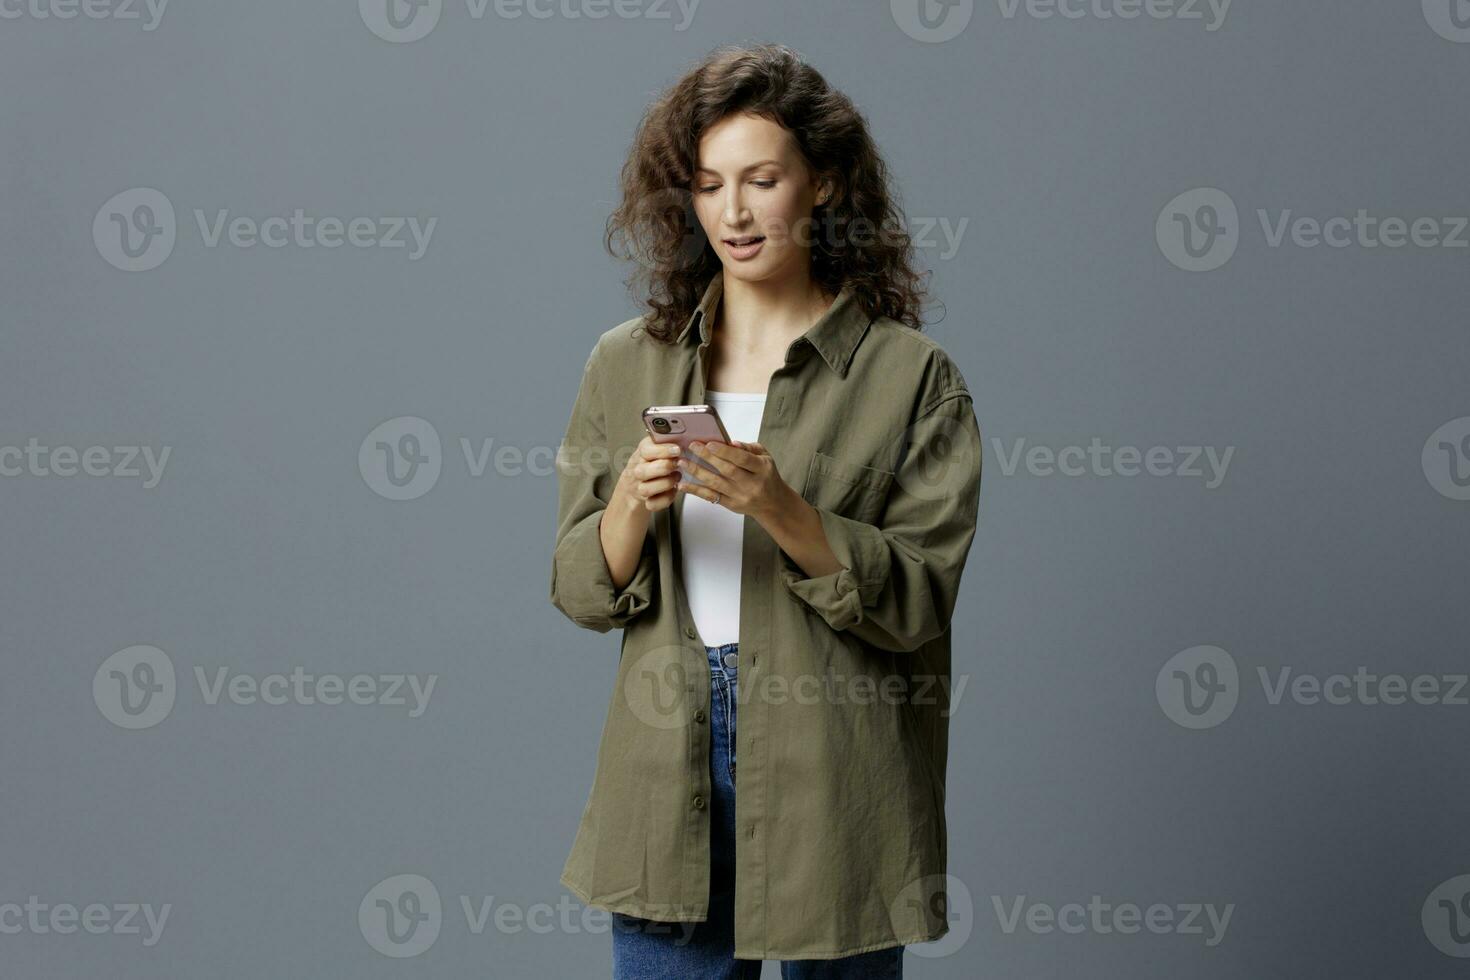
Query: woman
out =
(818, 553)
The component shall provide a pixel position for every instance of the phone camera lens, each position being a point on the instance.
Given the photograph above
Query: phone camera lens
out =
(661, 424)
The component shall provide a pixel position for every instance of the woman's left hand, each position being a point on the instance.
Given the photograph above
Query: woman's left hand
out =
(744, 478)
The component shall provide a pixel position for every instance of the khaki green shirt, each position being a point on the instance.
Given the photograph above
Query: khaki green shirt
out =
(844, 683)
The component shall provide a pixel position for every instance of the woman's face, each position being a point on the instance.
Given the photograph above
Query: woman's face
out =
(754, 195)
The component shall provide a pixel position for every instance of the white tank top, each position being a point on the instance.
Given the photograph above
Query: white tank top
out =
(711, 535)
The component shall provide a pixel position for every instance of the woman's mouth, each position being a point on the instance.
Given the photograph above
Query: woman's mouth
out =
(744, 247)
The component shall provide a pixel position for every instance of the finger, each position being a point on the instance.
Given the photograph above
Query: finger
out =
(661, 500)
(709, 478)
(731, 456)
(699, 452)
(652, 488)
(653, 469)
(704, 493)
(651, 450)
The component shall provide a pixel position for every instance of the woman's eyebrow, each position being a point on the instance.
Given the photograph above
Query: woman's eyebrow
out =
(753, 166)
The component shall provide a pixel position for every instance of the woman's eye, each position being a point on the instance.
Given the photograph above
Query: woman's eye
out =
(711, 188)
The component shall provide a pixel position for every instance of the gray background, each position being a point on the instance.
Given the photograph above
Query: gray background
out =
(264, 547)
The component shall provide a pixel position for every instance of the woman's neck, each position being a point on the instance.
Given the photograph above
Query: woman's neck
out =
(754, 324)
(763, 318)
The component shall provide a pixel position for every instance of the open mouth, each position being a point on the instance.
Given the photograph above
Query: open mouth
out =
(744, 240)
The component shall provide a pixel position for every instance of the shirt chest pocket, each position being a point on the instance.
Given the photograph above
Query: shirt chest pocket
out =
(849, 489)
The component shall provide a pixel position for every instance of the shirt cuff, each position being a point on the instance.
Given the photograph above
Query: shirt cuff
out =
(840, 597)
(582, 585)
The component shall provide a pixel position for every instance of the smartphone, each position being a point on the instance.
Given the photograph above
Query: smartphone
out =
(683, 424)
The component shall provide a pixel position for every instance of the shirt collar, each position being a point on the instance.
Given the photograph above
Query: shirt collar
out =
(835, 335)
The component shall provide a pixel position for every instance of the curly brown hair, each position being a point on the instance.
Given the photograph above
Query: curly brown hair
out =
(655, 222)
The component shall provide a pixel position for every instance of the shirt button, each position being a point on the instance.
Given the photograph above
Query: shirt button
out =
(699, 803)
(689, 632)
(699, 714)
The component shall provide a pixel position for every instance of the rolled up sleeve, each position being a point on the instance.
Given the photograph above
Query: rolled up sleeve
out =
(581, 582)
(900, 577)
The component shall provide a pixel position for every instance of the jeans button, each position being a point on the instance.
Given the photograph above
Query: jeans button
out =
(731, 659)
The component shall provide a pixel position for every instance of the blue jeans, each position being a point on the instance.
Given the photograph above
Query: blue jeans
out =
(648, 950)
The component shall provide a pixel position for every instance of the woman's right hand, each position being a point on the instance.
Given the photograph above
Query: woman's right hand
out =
(651, 478)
